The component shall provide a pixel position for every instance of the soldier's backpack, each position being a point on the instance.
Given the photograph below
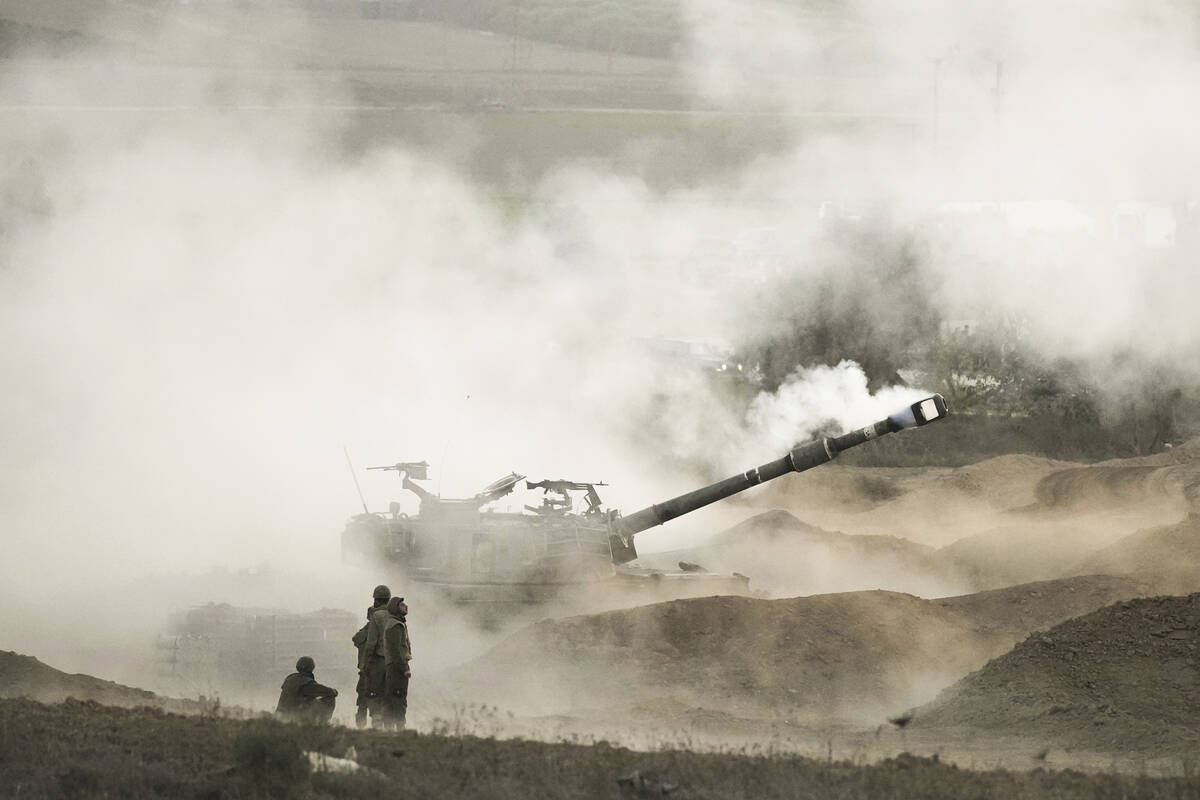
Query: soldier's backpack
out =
(360, 638)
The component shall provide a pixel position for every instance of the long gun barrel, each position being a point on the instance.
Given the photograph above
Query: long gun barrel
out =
(799, 459)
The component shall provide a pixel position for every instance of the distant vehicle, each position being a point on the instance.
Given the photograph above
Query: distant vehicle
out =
(477, 555)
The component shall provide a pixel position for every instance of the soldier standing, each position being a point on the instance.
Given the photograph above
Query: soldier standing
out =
(371, 663)
(360, 689)
(302, 699)
(397, 654)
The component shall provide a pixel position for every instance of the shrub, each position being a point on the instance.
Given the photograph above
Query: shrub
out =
(270, 763)
(78, 781)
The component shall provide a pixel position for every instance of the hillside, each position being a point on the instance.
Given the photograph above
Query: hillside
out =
(786, 557)
(1030, 547)
(1021, 610)
(1121, 678)
(1075, 513)
(25, 676)
(87, 750)
(852, 656)
(933, 506)
(841, 655)
(1167, 557)
(1115, 484)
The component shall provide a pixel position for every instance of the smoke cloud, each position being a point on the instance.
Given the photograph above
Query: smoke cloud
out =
(1037, 135)
(834, 395)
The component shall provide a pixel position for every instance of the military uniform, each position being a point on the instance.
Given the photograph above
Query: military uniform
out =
(397, 654)
(372, 679)
(302, 699)
(362, 689)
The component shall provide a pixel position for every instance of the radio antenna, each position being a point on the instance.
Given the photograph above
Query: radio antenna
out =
(354, 475)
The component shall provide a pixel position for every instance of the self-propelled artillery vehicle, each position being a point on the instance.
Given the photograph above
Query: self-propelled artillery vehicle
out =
(479, 555)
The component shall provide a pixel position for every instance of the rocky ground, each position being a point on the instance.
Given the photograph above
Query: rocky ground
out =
(1122, 678)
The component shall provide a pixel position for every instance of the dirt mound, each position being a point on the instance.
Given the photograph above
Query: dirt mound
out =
(849, 655)
(25, 676)
(787, 557)
(1020, 610)
(1008, 481)
(1177, 454)
(939, 507)
(1078, 512)
(1080, 487)
(1030, 548)
(1168, 558)
(778, 526)
(1171, 475)
(1121, 677)
(1002, 482)
(843, 488)
(945, 505)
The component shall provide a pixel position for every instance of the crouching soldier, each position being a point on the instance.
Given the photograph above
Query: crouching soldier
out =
(397, 654)
(302, 699)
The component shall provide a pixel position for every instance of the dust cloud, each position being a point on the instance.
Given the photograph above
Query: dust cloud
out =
(200, 303)
(1056, 125)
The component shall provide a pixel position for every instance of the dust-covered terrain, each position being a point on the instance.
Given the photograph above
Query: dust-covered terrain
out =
(1003, 521)
(1068, 671)
(1086, 670)
(849, 658)
(1122, 678)
(25, 676)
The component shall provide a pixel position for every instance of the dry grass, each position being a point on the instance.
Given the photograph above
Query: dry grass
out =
(87, 750)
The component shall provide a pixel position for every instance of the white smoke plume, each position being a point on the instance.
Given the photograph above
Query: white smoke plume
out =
(824, 398)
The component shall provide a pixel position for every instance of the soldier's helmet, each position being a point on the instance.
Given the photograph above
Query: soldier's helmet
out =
(382, 592)
(305, 664)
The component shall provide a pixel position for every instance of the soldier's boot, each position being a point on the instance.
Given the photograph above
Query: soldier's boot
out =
(360, 717)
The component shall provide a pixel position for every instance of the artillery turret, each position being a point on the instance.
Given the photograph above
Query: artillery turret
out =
(485, 555)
